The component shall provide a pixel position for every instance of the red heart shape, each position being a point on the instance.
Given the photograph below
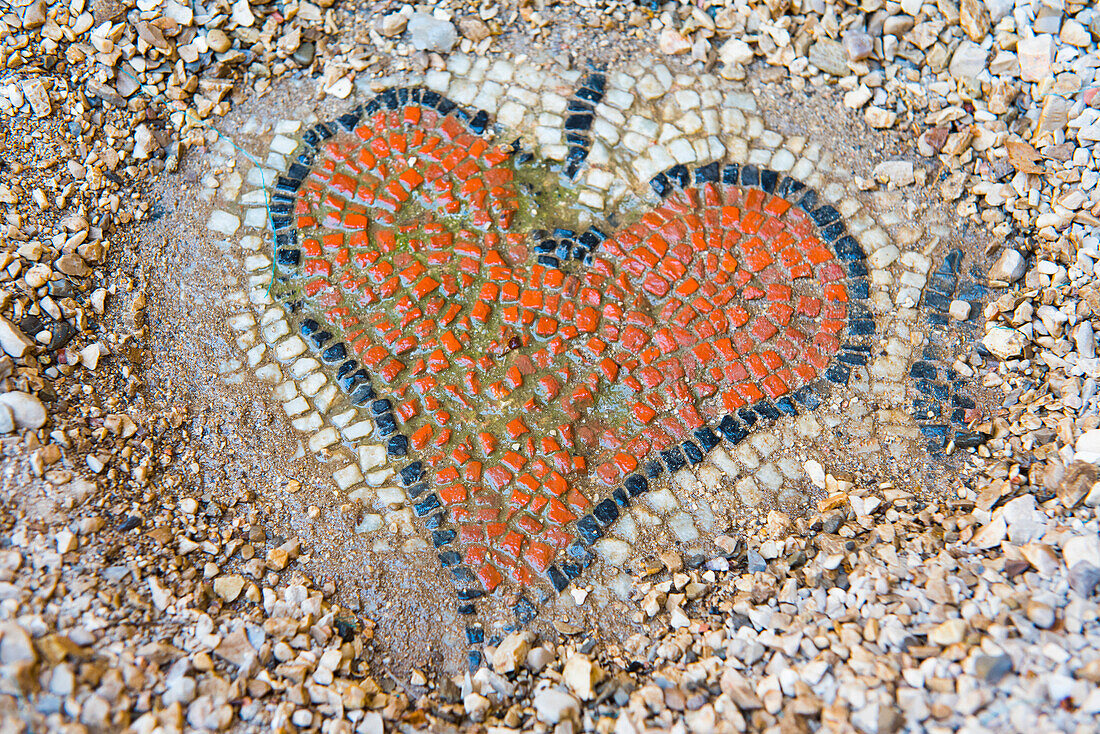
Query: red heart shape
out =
(515, 380)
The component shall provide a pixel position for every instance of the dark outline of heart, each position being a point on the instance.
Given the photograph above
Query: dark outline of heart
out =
(832, 232)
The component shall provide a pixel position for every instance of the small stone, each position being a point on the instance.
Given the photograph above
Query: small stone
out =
(1083, 578)
(959, 310)
(1081, 549)
(7, 419)
(755, 562)
(991, 534)
(162, 597)
(1004, 343)
(1082, 475)
(992, 668)
(91, 354)
(879, 118)
(877, 718)
(393, 25)
(144, 142)
(236, 648)
(672, 42)
(1041, 615)
(428, 33)
(229, 587)
(538, 658)
(303, 56)
(1087, 447)
(1074, 33)
(12, 340)
(340, 89)
(15, 645)
(816, 472)
(1090, 671)
(66, 541)
(27, 410)
(34, 14)
(1036, 55)
(1042, 557)
(476, 705)
(35, 92)
(974, 19)
(474, 29)
(895, 173)
(581, 674)
(72, 265)
(1009, 267)
(181, 690)
(512, 652)
(951, 632)
(553, 706)
(859, 45)
(735, 51)
(829, 56)
(242, 14)
(218, 41)
(277, 558)
(968, 61)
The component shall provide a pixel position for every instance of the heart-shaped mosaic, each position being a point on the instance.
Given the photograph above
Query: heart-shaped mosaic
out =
(531, 379)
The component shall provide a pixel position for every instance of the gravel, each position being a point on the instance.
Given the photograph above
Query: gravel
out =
(130, 597)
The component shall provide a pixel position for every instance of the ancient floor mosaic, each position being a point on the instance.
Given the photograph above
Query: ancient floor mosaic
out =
(543, 323)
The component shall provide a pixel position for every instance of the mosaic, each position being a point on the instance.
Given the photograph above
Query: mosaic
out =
(539, 351)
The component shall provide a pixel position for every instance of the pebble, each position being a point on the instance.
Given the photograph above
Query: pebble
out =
(27, 410)
(1036, 56)
(476, 706)
(829, 56)
(474, 29)
(992, 668)
(554, 706)
(879, 118)
(735, 51)
(951, 632)
(974, 19)
(393, 25)
(428, 33)
(12, 340)
(581, 675)
(858, 44)
(1004, 343)
(512, 652)
(72, 265)
(15, 645)
(968, 61)
(959, 310)
(538, 658)
(1084, 578)
(755, 562)
(1009, 267)
(36, 95)
(303, 56)
(241, 14)
(1040, 614)
(895, 173)
(229, 587)
(1087, 447)
(218, 41)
